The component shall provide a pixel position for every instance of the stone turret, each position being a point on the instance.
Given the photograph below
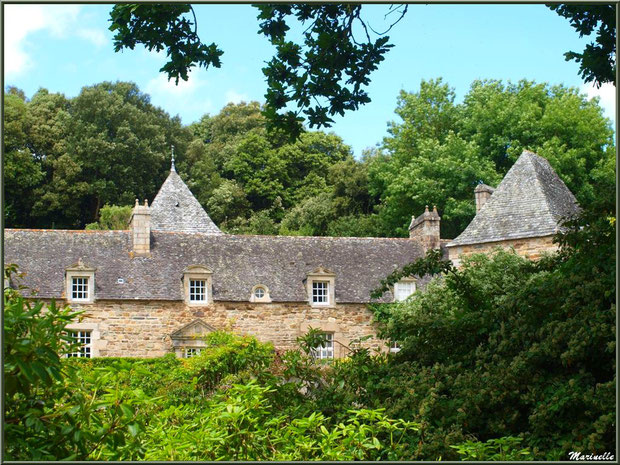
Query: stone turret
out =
(140, 225)
(425, 229)
(482, 193)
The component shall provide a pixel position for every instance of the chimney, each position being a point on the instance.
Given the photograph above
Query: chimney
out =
(425, 229)
(482, 193)
(140, 225)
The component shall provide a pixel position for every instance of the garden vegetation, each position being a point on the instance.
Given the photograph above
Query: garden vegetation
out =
(504, 359)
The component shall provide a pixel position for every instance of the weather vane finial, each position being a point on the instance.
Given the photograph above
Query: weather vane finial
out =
(172, 168)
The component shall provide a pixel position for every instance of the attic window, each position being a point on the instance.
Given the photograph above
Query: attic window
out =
(197, 285)
(320, 292)
(80, 283)
(197, 290)
(320, 288)
(260, 293)
(192, 351)
(403, 289)
(79, 288)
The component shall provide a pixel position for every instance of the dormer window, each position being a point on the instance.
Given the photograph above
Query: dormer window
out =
(320, 292)
(79, 288)
(80, 283)
(197, 290)
(260, 293)
(403, 289)
(197, 285)
(320, 287)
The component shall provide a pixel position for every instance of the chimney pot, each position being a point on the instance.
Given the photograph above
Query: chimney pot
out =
(425, 229)
(482, 193)
(140, 225)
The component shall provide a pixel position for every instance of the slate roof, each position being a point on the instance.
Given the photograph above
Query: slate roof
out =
(530, 201)
(176, 209)
(238, 263)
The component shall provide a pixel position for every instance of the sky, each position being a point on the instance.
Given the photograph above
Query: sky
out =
(65, 47)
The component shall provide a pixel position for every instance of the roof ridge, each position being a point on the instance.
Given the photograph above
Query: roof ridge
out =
(81, 231)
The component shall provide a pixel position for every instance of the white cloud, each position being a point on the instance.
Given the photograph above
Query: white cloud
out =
(234, 97)
(60, 21)
(184, 98)
(607, 98)
(96, 36)
(161, 86)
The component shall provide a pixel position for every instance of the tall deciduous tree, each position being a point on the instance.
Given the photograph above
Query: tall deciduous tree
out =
(440, 150)
(117, 149)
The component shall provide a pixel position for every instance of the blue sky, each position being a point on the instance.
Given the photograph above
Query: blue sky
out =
(65, 47)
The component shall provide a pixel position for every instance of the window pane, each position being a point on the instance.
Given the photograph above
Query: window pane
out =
(325, 350)
(79, 288)
(320, 291)
(192, 351)
(403, 290)
(197, 290)
(82, 338)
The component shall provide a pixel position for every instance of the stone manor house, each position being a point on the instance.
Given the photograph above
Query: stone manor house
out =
(174, 276)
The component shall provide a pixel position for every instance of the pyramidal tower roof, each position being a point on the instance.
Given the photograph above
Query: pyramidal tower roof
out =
(531, 201)
(176, 209)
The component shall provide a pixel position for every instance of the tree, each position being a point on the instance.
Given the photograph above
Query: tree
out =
(597, 63)
(107, 145)
(113, 217)
(22, 172)
(440, 151)
(333, 64)
(505, 346)
(327, 73)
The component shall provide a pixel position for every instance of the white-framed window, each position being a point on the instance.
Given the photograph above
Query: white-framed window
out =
(80, 283)
(198, 290)
(320, 286)
(259, 292)
(326, 349)
(403, 289)
(192, 351)
(320, 292)
(84, 339)
(197, 285)
(79, 288)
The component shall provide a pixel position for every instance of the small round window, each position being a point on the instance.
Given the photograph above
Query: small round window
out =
(259, 292)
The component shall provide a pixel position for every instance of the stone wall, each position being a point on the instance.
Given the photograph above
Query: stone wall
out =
(143, 328)
(531, 248)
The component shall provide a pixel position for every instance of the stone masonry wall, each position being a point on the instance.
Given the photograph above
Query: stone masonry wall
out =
(531, 248)
(143, 328)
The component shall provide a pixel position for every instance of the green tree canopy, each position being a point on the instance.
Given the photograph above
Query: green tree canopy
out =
(440, 150)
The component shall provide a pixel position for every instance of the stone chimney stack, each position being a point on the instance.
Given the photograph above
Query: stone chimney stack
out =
(140, 224)
(482, 193)
(425, 229)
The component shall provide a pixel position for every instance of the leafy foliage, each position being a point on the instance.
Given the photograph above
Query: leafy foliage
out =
(597, 63)
(331, 68)
(507, 347)
(159, 27)
(112, 217)
(440, 151)
(326, 72)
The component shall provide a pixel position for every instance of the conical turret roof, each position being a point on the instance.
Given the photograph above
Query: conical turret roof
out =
(531, 201)
(176, 209)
